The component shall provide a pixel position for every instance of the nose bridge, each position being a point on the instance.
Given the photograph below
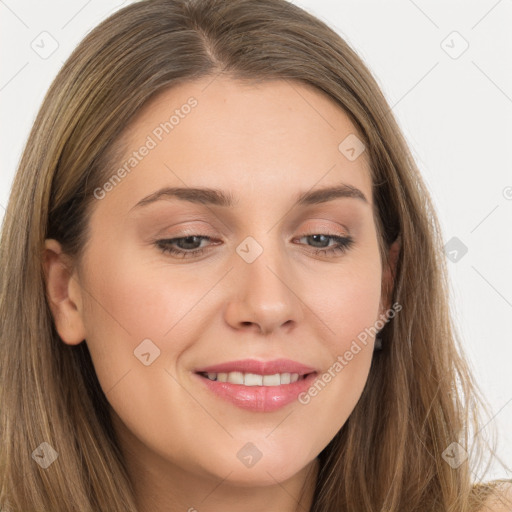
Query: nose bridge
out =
(263, 287)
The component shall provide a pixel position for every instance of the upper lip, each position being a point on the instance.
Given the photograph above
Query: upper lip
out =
(258, 367)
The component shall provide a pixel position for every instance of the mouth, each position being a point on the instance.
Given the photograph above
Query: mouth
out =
(255, 379)
(257, 386)
(255, 368)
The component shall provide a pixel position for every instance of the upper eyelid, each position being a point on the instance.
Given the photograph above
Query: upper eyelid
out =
(226, 224)
(207, 231)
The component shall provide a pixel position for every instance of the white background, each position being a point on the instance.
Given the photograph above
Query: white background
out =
(456, 114)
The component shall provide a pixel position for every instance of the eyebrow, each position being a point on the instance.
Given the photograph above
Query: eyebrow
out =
(215, 197)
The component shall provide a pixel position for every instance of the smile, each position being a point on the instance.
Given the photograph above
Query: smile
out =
(255, 392)
(254, 379)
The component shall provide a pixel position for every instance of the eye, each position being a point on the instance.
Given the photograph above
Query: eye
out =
(321, 242)
(190, 246)
(187, 245)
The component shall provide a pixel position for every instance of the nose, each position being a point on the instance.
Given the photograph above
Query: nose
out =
(264, 295)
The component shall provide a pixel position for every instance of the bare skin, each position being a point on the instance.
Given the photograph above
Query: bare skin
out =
(264, 145)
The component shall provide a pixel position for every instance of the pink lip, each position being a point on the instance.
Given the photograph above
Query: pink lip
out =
(259, 398)
(259, 367)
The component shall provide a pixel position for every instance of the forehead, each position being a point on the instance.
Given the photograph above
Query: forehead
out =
(275, 137)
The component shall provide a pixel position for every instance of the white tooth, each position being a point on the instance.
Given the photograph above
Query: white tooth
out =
(236, 377)
(285, 378)
(272, 380)
(251, 379)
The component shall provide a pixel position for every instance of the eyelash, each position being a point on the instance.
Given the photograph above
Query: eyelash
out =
(343, 244)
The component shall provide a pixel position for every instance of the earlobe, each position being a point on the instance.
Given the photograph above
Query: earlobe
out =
(63, 294)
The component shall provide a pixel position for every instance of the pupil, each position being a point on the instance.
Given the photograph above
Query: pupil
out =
(189, 240)
(317, 237)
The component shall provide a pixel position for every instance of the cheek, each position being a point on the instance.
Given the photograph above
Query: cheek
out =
(128, 302)
(138, 291)
(347, 300)
(349, 307)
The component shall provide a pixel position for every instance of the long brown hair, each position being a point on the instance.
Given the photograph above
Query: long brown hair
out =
(419, 397)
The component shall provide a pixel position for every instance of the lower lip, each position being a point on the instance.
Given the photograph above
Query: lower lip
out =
(259, 398)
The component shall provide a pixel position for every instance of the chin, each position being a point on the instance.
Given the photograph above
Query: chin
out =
(261, 477)
(266, 471)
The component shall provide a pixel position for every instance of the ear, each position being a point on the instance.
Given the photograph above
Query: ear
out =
(389, 273)
(63, 293)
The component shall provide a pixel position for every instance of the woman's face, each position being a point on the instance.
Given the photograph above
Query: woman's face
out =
(270, 280)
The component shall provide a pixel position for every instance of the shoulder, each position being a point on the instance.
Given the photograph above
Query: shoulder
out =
(500, 499)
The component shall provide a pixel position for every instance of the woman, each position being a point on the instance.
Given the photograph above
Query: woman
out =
(224, 282)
